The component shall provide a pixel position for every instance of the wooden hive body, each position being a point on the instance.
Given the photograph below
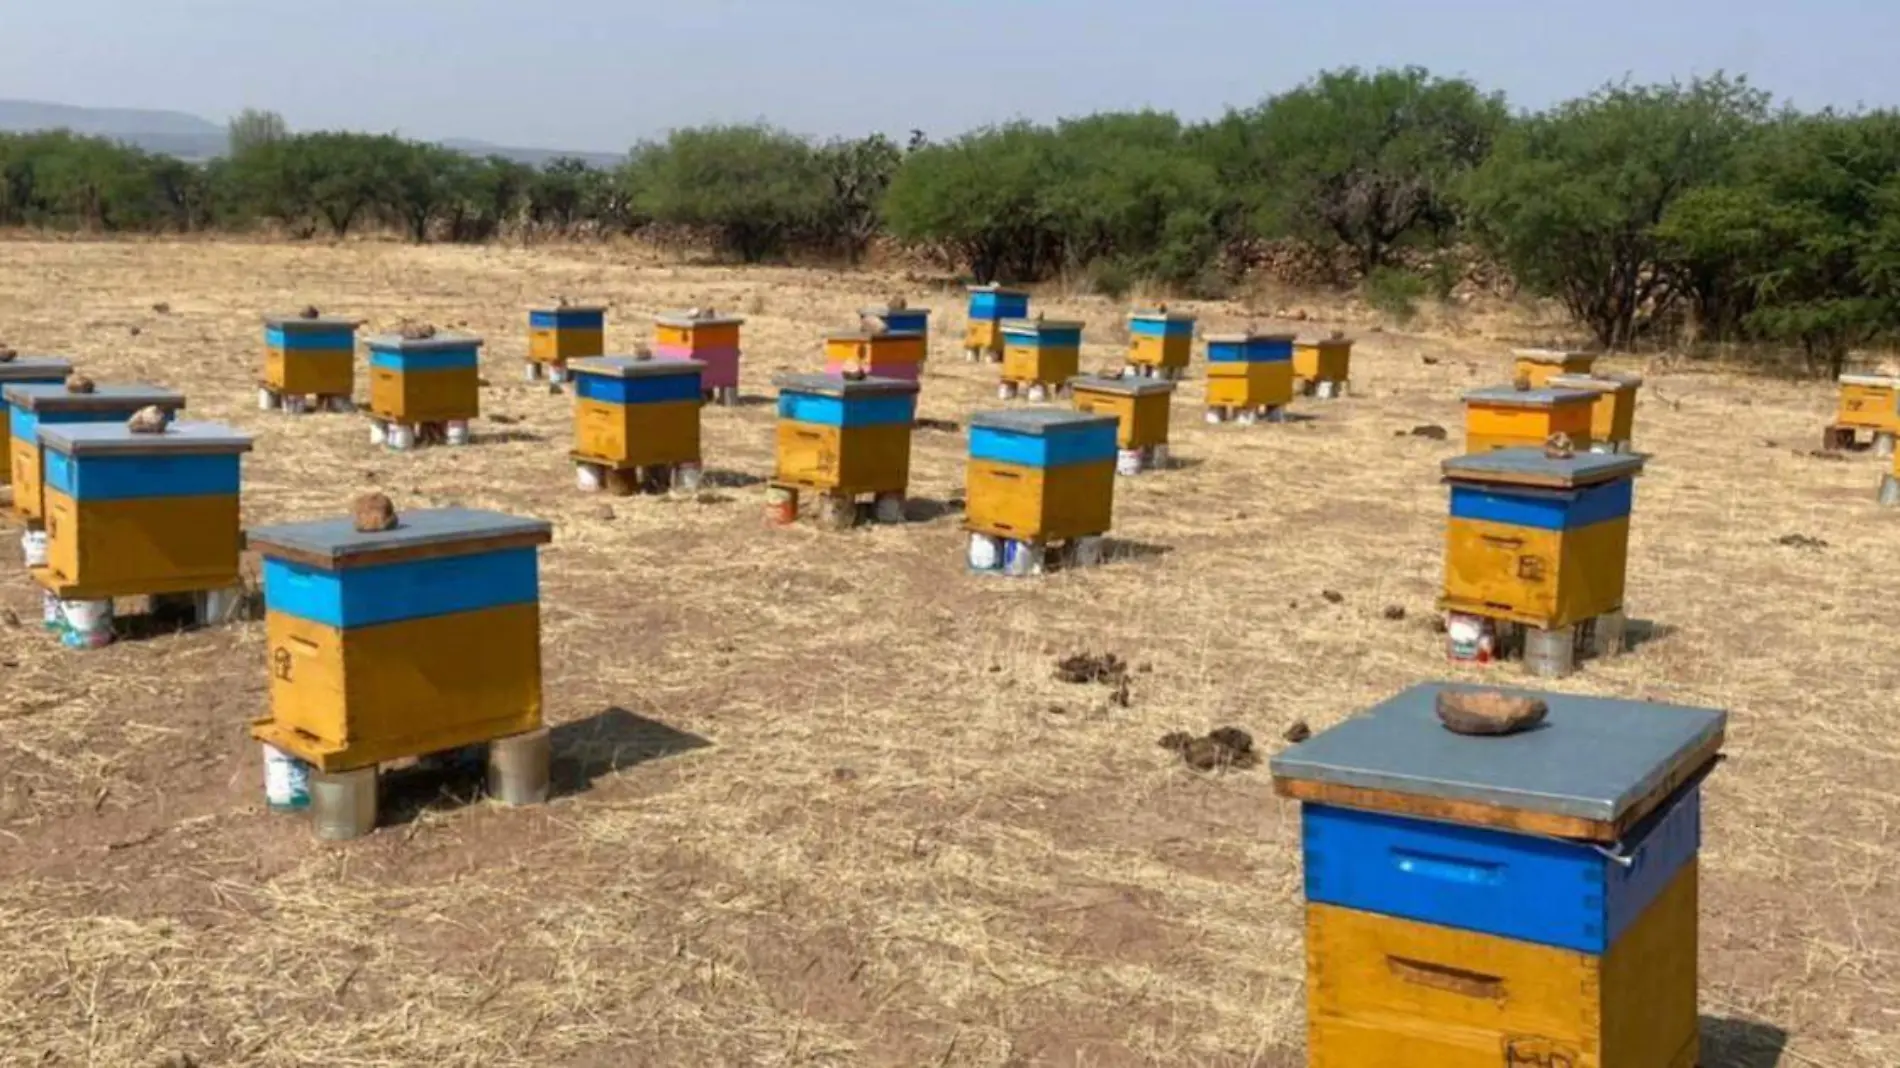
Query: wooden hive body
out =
(1160, 339)
(310, 356)
(557, 335)
(24, 371)
(989, 307)
(1249, 370)
(1613, 413)
(892, 354)
(435, 380)
(1868, 402)
(1323, 359)
(33, 405)
(1508, 418)
(1040, 474)
(844, 436)
(712, 340)
(636, 413)
(1539, 366)
(1038, 351)
(1140, 405)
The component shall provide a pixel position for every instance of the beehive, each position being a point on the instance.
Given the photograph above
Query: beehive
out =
(892, 354)
(905, 320)
(1249, 372)
(1040, 474)
(1539, 366)
(400, 643)
(1538, 540)
(845, 436)
(1869, 402)
(1317, 361)
(990, 305)
(1139, 405)
(636, 413)
(1506, 418)
(27, 371)
(309, 357)
(1039, 352)
(1527, 899)
(711, 339)
(427, 380)
(130, 514)
(569, 332)
(1161, 341)
(1613, 413)
(31, 406)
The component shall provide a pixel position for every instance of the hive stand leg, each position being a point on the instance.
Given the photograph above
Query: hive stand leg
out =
(1889, 491)
(1303, 387)
(656, 479)
(531, 372)
(455, 432)
(589, 478)
(1128, 462)
(1836, 438)
(557, 373)
(85, 624)
(623, 481)
(1330, 390)
(688, 477)
(1005, 391)
(339, 404)
(1085, 551)
(1023, 558)
(49, 611)
(837, 511)
(214, 608)
(1247, 416)
(33, 545)
(378, 432)
(971, 353)
(1611, 634)
(343, 803)
(518, 768)
(888, 508)
(986, 552)
(267, 399)
(781, 505)
(399, 436)
(1274, 413)
(295, 403)
(1158, 457)
(1883, 444)
(728, 396)
(1037, 392)
(1550, 654)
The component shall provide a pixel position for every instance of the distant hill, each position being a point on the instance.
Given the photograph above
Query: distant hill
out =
(190, 137)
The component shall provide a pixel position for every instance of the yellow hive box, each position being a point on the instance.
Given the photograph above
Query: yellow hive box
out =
(1868, 402)
(569, 332)
(1139, 405)
(1250, 385)
(27, 371)
(884, 355)
(1539, 366)
(682, 332)
(1323, 360)
(403, 642)
(632, 413)
(33, 405)
(309, 357)
(1613, 415)
(1048, 352)
(1507, 418)
(1040, 474)
(426, 380)
(1392, 993)
(846, 436)
(1160, 339)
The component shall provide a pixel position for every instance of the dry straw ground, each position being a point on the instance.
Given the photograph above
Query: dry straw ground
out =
(822, 801)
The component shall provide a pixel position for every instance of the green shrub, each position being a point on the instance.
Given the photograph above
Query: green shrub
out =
(1395, 292)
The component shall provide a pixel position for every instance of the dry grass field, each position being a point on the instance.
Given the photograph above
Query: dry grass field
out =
(820, 800)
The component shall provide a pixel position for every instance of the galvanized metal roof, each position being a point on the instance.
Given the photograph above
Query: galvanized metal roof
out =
(54, 397)
(629, 367)
(1552, 355)
(1024, 326)
(438, 343)
(838, 386)
(1242, 338)
(1511, 397)
(1532, 467)
(1038, 421)
(1132, 386)
(34, 367)
(1597, 380)
(337, 539)
(1592, 758)
(683, 319)
(88, 439)
(297, 324)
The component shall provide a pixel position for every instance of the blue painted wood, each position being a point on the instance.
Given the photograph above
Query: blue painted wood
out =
(131, 477)
(441, 360)
(568, 319)
(1544, 509)
(1045, 337)
(411, 589)
(305, 341)
(1161, 327)
(873, 410)
(1059, 447)
(908, 321)
(24, 423)
(1542, 890)
(987, 305)
(645, 389)
(1259, 350)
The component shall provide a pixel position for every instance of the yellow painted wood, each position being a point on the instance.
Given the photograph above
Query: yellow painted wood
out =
(351, 698)
(712, 336)
(985, 335)
(1502, 426)
(1390, 993)
(142, 546)
(1868, 407)
(637, 435)
(1545, 578)
(1540, 372)
(1049, 365)
(547, 344)
(425, 396)
(1323, 361)
(1149, 350)
(857, 459)
(23, 465)
(323, 372)
(866, 350)
(1249, 385)
(1039, 504)
(1613, 413)
(1143, 419)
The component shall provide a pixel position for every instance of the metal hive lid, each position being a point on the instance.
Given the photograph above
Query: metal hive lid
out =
(336, 540)
(1038, 421)
(683, 319)
(293, 324)
(837, 386)
(1593, 758)
(1888, 381)
(1138, 387)
(54, 397)
(1156, 316)
(34, 367)
(1512, 397)
(1528, 466)
(94, 439)
(438, 343)
(1598, 380)
(1241, 337)
(1019, 326)
(1551, 355)
(629, 367)
(567, 309)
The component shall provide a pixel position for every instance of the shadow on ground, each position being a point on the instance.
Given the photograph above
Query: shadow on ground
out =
(1728, 1043)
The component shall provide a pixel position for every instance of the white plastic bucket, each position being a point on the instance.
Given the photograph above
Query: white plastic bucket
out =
(1128, 461)
(888, 508)
(33, 548)
(49, 610)
(1005, 391)
(1020, 558)
(1469, 638)
(378, 432)
(85, 624)
(688, 477)
(457, 433)
(399, 436)
(986, 552)
(588, 478)
(557, 373)
(266, 400)
(1038, 391)
(286, 781)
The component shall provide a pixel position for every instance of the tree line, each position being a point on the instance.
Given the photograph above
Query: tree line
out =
(1648, 211)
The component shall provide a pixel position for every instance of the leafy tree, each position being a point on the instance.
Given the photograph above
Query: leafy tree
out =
(753, 189)
(1123, 187)
(1570, 199)
(856, 175)
(564, 192)
(979, 199)
(252, 127)
(426, 180)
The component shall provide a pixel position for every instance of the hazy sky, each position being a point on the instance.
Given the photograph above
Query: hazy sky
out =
(599, 74)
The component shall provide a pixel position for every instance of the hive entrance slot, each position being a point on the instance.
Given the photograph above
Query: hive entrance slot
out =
(1447, 978)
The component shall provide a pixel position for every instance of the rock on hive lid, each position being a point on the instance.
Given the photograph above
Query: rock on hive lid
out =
(834, 386)
(93, 439)
(292, 324)
(1038, 421)
(336, 543)
(1534, 467)
(687, 319)
(630, 367)
(1595, 765)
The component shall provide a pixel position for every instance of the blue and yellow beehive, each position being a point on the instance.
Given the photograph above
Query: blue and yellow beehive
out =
(30, 407)
(131, 514)
(404, 642)
(1042, 353)
(425, 380)
(1160, 343)
(1527, 899)
(1249, 372)
(631, 413)
(844, 436)
(1538, 540)
(309, 358)
(27, 371)
(568, 332)
(990, 305)
(1040, 475)
(903, 319)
